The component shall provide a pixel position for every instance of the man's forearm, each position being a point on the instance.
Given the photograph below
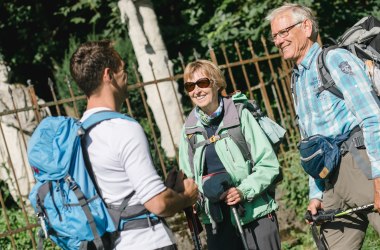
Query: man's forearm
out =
(168, 202)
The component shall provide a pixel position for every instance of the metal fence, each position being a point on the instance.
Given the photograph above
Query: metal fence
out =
(263, 76)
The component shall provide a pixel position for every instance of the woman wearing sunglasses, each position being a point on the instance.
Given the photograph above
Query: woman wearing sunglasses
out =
(225, 179)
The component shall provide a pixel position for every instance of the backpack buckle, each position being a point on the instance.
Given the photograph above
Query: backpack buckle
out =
(80, 131)
(72, 184)
(358, 142)
(214, 138)
(43, 231)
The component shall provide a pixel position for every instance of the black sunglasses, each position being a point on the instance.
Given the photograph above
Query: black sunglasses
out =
(201, 83)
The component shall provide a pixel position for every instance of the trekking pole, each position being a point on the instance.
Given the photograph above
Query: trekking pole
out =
(330, 215)
(194, 226)
(226, 186)
(240, 228)
(368, 207)
(193, 221)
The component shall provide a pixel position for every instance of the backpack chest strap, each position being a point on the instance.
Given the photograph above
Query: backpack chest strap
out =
(210, 140)
(140, 222)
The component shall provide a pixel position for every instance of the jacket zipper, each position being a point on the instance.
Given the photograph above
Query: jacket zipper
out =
(202, 162)
(228, 149)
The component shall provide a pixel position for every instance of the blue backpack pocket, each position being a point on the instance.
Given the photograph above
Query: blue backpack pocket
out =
(60, 205)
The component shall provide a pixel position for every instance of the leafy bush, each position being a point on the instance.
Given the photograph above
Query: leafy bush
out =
(16, 220)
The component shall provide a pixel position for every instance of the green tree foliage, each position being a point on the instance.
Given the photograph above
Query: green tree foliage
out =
(35, 34)
(38, 38)
(216, 22)
(334, 17)
(232, 20)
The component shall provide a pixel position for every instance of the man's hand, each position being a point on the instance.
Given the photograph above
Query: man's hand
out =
(174, 180)
(169, 202)
(313, 206)
(233, 196)
(376, 183)
(190, 191)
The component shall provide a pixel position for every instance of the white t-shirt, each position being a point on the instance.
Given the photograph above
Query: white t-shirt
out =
(121, 161)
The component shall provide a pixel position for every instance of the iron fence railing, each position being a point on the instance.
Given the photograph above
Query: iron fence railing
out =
(265, 77)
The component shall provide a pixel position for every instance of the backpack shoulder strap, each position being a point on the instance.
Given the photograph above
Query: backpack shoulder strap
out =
(236, 133)
(102, 116)
(324, 73)
(191, 137)
(124, 210)
(86, 126)
(192, 140)
(191, 130)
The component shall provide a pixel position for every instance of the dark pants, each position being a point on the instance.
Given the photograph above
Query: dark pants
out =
(261, 234)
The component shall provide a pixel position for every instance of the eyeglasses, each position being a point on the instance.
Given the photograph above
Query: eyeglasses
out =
(284, 32)
(201, 83)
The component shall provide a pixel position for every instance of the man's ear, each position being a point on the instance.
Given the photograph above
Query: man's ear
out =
(107, 75)
(308, 27)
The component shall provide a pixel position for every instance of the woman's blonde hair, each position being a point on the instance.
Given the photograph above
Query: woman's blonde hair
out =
(209, 69)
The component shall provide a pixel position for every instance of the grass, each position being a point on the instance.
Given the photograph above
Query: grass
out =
(372, 239)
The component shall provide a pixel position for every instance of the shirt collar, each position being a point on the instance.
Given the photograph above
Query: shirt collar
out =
(89, 112)
(306, 62)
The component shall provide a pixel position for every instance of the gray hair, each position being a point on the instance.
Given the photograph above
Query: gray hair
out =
(299, 14)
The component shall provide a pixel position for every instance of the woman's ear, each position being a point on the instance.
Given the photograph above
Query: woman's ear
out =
(217, 87)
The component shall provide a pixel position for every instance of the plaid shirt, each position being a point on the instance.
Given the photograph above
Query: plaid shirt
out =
(329, 115)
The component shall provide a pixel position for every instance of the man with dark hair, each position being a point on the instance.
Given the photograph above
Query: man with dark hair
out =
(119, 153)
(294, 32)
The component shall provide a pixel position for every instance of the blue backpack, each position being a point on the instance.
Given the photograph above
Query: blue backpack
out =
(65, 198)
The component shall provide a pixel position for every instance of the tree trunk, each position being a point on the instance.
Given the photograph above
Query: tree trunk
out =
(163, 99)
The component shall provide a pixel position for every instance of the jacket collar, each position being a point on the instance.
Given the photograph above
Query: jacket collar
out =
(230, 118)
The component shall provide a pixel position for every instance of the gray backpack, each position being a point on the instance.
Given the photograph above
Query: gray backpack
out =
(362, 40)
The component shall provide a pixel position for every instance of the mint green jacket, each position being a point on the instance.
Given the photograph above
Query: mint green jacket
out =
(251, 182)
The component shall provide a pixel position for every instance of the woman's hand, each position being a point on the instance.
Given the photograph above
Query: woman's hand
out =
(234, 196)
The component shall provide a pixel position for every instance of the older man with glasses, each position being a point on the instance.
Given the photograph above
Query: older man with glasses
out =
(294, 32)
